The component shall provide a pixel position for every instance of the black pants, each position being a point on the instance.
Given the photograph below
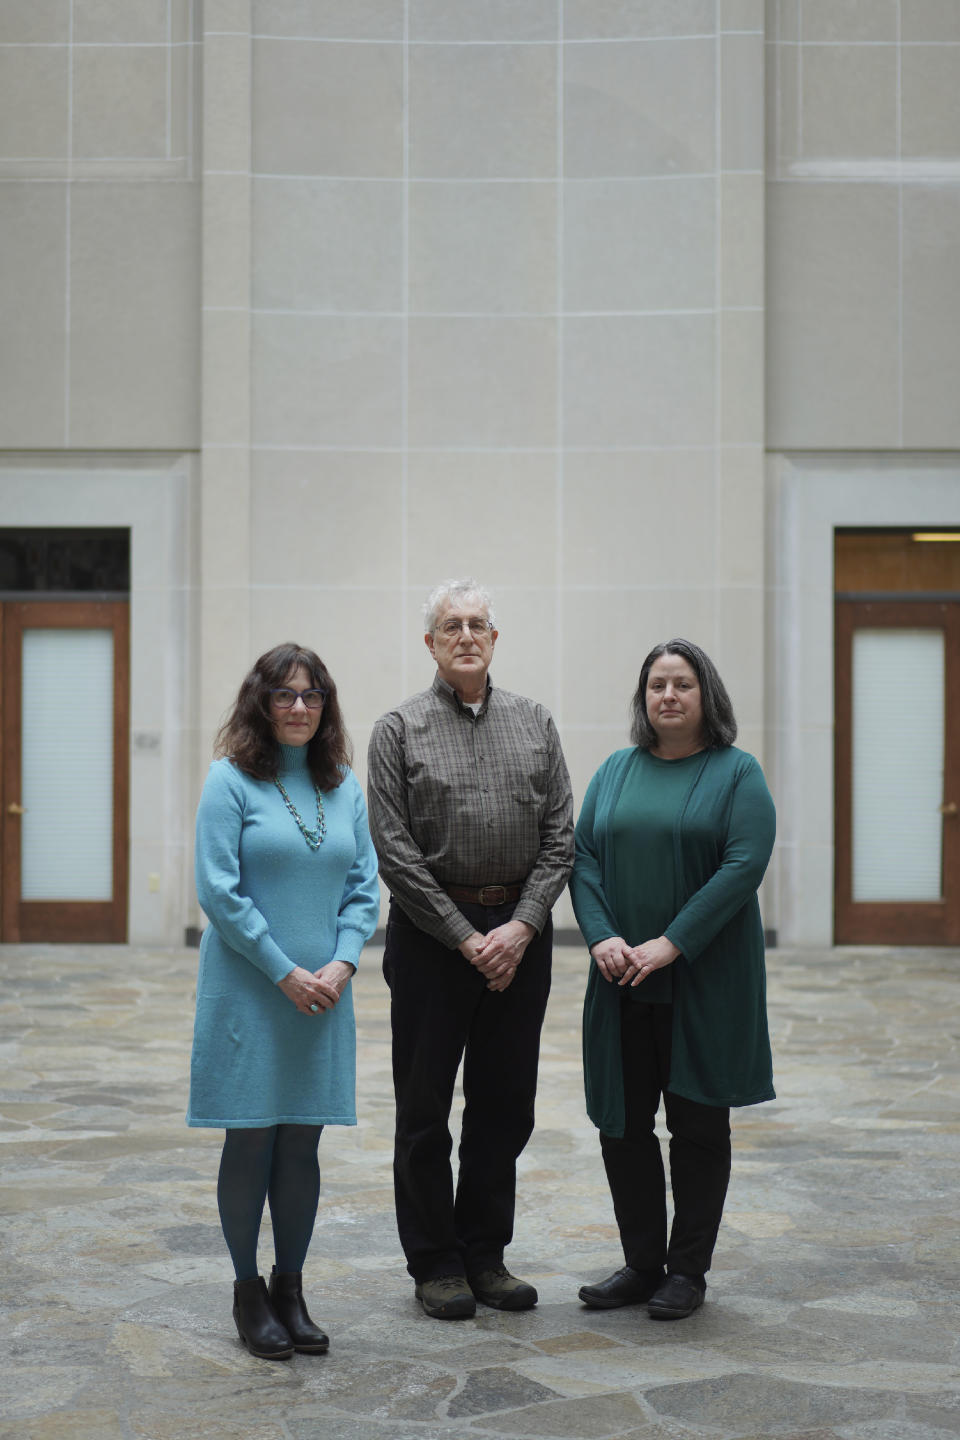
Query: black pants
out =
(699, 1155)
(440, 1012)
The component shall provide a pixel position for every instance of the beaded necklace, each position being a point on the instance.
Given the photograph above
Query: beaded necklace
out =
(314, 838)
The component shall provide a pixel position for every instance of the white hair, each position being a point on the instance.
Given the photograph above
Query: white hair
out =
(448, 592)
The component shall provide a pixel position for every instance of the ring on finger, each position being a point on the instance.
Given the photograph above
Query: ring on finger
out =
(314, 1008)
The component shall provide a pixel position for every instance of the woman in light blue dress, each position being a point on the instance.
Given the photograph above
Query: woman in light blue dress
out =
(287, 876)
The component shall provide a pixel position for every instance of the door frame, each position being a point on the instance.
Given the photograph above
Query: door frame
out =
(103, 921)
(897, 922)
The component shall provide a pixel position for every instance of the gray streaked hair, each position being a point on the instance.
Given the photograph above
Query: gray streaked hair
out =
(450, 592)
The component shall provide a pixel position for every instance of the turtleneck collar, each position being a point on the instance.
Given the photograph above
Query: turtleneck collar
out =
(293, 758)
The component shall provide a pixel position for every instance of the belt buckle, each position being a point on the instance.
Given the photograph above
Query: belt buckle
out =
(486, 890)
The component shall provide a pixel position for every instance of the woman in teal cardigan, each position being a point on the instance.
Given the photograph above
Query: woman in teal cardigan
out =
(287, 875)
(672, 842)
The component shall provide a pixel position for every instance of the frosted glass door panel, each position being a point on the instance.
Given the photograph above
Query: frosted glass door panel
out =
(67, 759)
(898, 708)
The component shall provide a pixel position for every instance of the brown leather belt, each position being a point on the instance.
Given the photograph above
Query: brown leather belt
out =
(484, 894)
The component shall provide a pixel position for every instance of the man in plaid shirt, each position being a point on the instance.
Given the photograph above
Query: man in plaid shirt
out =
(472, 817)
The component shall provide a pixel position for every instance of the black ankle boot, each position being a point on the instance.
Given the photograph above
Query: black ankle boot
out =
(286, 1297)
(257, 1325)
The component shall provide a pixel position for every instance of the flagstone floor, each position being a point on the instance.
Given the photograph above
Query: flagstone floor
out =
(833, 1304)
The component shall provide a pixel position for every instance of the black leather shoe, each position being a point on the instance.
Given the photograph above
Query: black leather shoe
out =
(677, 1297)
(257, 1325)
(286, 1297)
(623, 1287)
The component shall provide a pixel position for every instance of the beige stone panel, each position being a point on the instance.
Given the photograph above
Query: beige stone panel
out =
(483, 247)
(226, 653)
(742, 15)
(326, 518)
(527, 657)
(742, 240)
(740, 518)
(850, 20)
(225, 521)
(784, 20)
(498, 20)
(142, 22)
(513, 501)
(135, 332)
(625, 19)
(227, 346)
(224, 16)
(185, 100)
(741, 377)
(929, 20)
(931, 317)
(33, 227)
(833, 335)
(119, 101)
(639, 517)
(327, 109)
(739, 650)
(639, 244)
(639, 380)
(330, 19)
(849, 101)
(327, 244)
(226, 102)
(607, 633)
(326, 380)
(931, 101)
(783, 106)
(741, 102)
(226, 240)
(478, 382)
(639, 109)
(484, 111)
(332, 620)
(33, 102)
(36, 22)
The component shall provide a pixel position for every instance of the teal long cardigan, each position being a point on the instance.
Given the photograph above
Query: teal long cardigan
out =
(722, 839)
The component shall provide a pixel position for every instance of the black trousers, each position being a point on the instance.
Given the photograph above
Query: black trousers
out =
(440, 1012)
(699, 1155)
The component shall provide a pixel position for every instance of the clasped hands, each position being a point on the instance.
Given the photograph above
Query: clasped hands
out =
(498, 953)
(631, 964)
(322, 989)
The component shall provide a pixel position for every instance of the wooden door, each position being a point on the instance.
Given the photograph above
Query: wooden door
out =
(898, 772)
(65, 770)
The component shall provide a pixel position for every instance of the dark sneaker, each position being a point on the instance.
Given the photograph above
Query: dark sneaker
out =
(678, 1297)
(446, 1297)
(503, 1291)
(623, 1287)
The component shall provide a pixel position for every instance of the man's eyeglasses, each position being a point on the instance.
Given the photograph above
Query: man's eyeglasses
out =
(286, 699)
(477, 627)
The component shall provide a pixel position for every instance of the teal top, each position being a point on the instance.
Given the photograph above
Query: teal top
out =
(716, 828)
(273, 904)
(645, 894)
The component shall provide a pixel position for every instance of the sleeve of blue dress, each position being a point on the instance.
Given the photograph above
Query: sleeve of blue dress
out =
(217, 866)
(746, 854)
(360, 902)
(594, 915)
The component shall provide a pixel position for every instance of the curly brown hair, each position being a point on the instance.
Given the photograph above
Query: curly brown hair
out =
(246, 736)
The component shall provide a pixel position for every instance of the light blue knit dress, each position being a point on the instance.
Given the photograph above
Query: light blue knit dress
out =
(274, 903)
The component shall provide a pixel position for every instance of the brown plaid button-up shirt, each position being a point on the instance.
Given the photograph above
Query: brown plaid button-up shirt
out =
(463, 799)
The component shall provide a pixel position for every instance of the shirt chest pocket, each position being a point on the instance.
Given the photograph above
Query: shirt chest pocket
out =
(527, 777)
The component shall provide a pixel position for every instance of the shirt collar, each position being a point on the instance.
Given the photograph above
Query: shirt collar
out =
(450, 696)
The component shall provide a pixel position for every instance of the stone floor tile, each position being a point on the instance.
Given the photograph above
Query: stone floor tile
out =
(832, 1308)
